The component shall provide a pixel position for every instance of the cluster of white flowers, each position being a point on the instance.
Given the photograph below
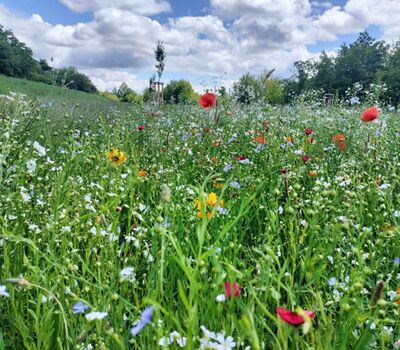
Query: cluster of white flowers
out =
(217, 341)
(174, 337)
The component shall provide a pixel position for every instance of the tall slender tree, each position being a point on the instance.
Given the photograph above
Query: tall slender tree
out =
(160, 56)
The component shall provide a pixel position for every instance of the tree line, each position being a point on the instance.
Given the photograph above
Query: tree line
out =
(16, 60)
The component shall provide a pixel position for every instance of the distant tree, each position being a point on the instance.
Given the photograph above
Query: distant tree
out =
(324, 73)
(391, 76)
(273, 92)
(360, 62)
(125, 94)
(44, 66)
(160, 56)
(179, 91)
(16, 59)
(72, 79)
(247, 89)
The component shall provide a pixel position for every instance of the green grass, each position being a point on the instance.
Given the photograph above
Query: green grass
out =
(70, 222)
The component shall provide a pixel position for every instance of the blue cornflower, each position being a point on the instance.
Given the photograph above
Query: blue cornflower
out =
(332, 281)
(145, 319)
(396, 260)
(235, 184)
(227, 167)
(79, 308)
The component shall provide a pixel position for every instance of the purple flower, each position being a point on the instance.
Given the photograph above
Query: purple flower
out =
(227, 167)
(396, 260)
(222, 210)
(332, 281)
(79, 308)
(145, 319)
(235, 184)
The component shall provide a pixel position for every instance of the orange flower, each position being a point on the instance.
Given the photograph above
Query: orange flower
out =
(340, 140)
(142, 173)
(216, 143)
(311, 140)
(398, 293)
(218, 185)
(313, 173)
(260, 139)
(214, 159)
(289, 139)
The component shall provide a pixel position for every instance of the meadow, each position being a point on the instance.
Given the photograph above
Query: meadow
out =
(136, 227)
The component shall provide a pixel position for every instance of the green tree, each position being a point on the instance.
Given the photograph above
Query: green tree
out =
(71, 78)
(247, 89)
(360, 62)
(273, 92)
(324, 73)
(179, 91)
(160, 56)
(16, 59)
(391, 76)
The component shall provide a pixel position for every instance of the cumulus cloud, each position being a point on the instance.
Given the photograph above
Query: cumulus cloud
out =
(235, 37)
(144, 7)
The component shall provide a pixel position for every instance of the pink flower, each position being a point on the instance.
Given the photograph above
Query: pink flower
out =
(291, 317)
(306, 159)
(140, 127)
(232, 287)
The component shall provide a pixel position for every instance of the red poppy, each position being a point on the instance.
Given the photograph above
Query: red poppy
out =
(232, 287)
(283, 171)
(140, 127)
(369, 114)
(208, 100)
(308, 131)
(291, 317)
(242, 158)
(306, 159)
(340, 140)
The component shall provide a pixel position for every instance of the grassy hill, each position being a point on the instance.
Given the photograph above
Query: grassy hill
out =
(44, 91)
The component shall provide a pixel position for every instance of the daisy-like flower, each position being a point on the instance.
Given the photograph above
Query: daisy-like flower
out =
(96, 315)
(116, 156)
(3, 291)
(127, 273)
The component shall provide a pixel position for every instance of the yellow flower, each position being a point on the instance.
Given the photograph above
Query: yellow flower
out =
(142, 173)
(116, 156)
(211, 200)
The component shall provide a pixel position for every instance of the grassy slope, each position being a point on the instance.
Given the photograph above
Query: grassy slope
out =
(40, 90)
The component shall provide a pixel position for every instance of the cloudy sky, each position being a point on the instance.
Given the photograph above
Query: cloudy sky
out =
(208, 42)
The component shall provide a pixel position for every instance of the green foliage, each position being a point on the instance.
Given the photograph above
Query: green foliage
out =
(179, 91)
(160, 56)
(125, 94)
(273, 92)
(391, 76)
(247, 90)
(110, 96)
(15, 57)
(72, 224)
(72, 79)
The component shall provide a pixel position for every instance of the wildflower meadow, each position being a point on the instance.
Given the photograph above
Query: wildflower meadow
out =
(207, 226)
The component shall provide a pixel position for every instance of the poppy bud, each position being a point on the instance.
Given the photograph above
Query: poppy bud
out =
(308, 131)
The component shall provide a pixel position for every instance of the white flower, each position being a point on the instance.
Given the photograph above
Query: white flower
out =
(280, 210)
(384, 186)
(298, 152)
(220, 298)
(226, 344)
(39, 148)
(3, 291)
(31, 166)
(127, 273)
(396, 214)
(164, 342)
(397, 344)
(96, 315)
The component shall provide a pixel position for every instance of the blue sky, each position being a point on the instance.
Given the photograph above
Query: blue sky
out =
(113, 40)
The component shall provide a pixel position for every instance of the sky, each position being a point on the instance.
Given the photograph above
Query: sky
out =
(208, 42)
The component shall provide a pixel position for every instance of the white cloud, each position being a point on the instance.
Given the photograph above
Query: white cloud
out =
(144, 7)
(235, 37)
